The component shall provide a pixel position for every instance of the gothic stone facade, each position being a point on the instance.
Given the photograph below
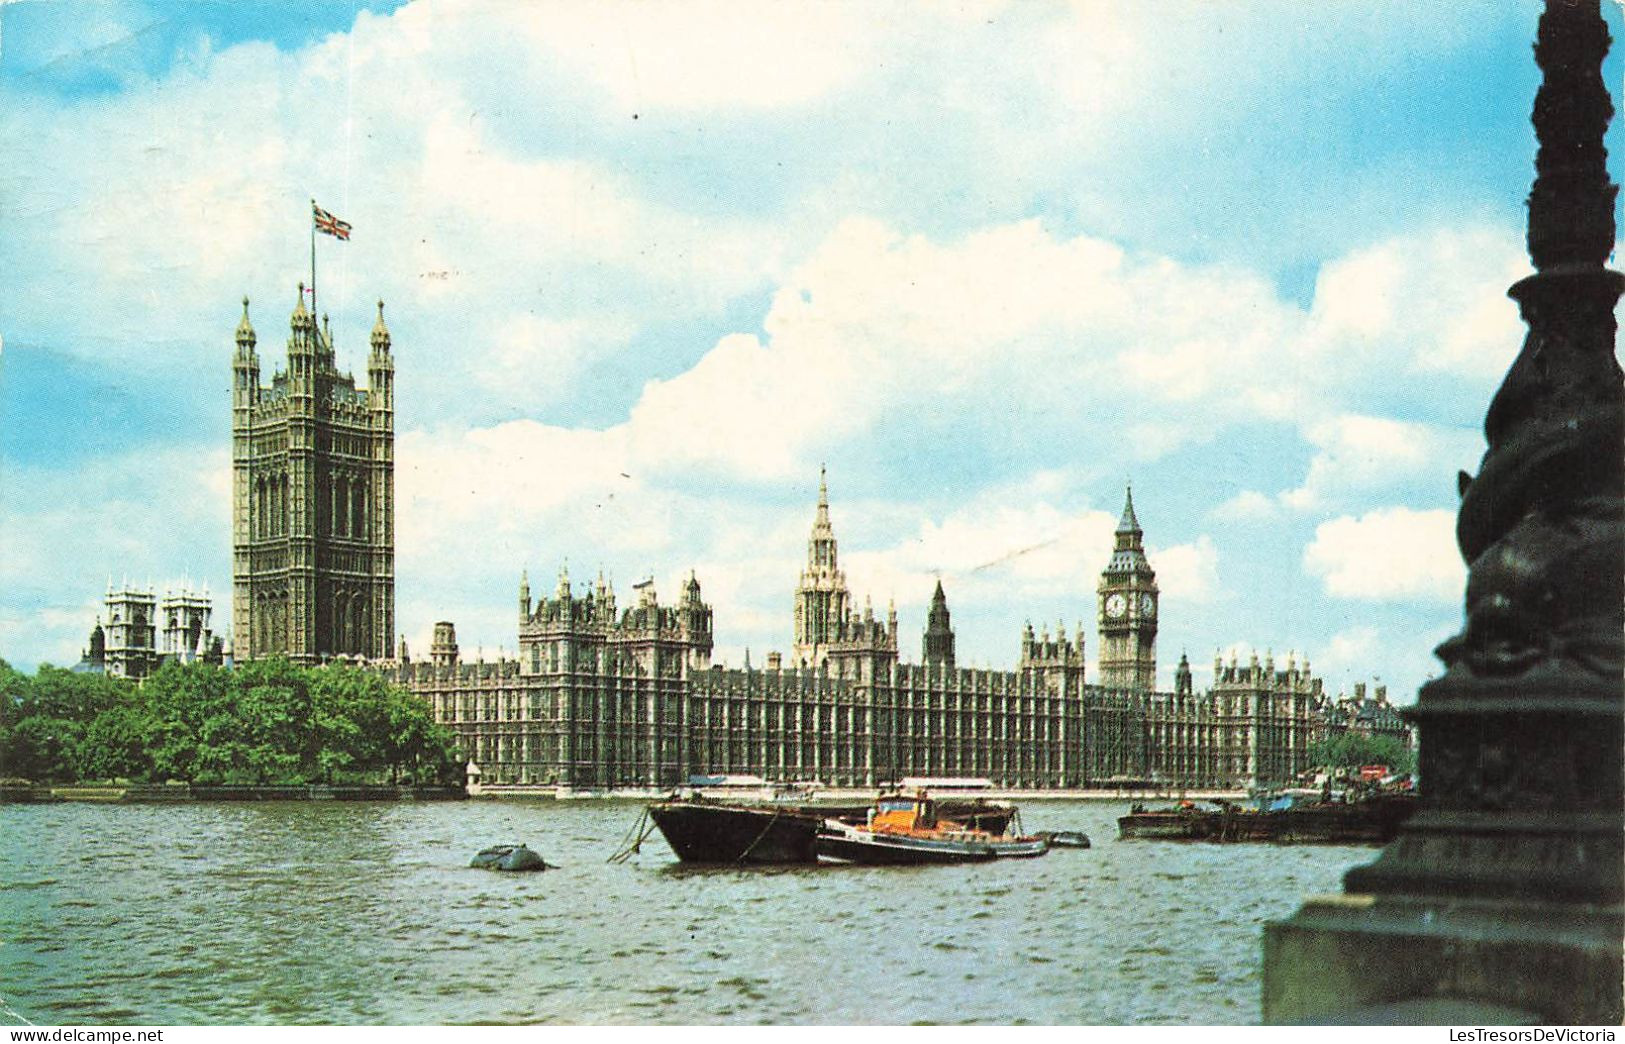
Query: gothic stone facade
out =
(598, 698)
(313, 499)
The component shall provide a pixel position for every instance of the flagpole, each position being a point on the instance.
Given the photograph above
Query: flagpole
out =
(313, 259)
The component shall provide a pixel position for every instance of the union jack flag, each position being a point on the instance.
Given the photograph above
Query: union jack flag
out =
(326, 222)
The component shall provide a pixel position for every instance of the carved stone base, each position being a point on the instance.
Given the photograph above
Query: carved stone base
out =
(1343, 959)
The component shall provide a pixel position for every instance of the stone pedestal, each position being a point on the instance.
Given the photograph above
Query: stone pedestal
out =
(1347, 958)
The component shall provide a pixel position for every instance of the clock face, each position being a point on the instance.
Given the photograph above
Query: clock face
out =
(1116, 605)
(1148, 605)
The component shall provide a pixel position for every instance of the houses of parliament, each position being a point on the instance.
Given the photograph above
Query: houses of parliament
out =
(602, 696)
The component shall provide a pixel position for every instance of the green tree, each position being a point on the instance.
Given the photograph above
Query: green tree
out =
(118, 743)
(45, 749)
(180, 699)
(44, 720)
(264, 722)
(1351, 749)
(57, 693)
(13, 687)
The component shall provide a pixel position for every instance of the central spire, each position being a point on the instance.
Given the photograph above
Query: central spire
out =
(821, 597)
(1128, 523)
(821, 546)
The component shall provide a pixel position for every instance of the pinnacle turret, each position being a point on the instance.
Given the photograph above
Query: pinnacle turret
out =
(245, 329)
(380, 332)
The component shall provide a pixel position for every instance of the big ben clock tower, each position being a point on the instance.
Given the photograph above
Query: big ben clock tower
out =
(1128, 610)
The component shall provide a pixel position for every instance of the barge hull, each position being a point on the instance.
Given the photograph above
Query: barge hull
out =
(731, 834)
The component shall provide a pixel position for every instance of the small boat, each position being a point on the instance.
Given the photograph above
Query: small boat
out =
(701, 830)
(1064, 838)
(908, 831)
(514, 858)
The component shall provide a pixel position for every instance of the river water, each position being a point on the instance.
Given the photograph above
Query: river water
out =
(368, 913)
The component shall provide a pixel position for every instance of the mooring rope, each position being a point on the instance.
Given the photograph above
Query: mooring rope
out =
(752, 847)
(630, 843)
(8, 1010)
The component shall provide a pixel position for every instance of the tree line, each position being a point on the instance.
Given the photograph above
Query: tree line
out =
(265, 722)
(1351, 749)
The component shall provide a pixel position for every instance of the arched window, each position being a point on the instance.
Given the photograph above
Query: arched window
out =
(261, 509)
(341, 619)
(358, 625)
(341, 507)
(358, 509)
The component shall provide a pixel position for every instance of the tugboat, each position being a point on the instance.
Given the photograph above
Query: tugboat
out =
(903, 830)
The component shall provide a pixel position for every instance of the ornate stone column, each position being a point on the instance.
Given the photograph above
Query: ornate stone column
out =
(1501, 899)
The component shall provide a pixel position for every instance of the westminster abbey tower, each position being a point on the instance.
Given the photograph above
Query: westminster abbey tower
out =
(313, 499)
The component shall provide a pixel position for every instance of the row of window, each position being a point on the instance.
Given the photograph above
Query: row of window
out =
(341, 509)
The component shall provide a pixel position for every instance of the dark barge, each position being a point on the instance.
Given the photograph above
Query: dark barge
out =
(1373, 820)
(702, 831)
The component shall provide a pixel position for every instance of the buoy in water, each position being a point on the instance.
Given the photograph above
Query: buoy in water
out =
(508, 857)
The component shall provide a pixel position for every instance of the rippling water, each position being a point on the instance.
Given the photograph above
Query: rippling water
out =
(368, 913)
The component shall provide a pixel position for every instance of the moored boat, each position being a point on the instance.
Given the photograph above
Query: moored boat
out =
(1372, 820)
(903, 830)
(705, 831)
(974, 813)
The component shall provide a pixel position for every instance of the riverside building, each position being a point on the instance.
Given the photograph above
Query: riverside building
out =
(601, 697)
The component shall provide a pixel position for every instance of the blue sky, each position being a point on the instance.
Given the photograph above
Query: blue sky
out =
(648, 266)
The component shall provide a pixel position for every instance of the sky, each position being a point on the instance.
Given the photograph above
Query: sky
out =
(648, 266)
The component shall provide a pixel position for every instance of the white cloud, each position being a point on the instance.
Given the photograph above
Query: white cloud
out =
(713, 54)
(1389, 553)
(1358, 455)
(1351, 652)
(1249, 504)
(1011, 314)
(1424, 303)
(993, 550)
(1188, 573)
